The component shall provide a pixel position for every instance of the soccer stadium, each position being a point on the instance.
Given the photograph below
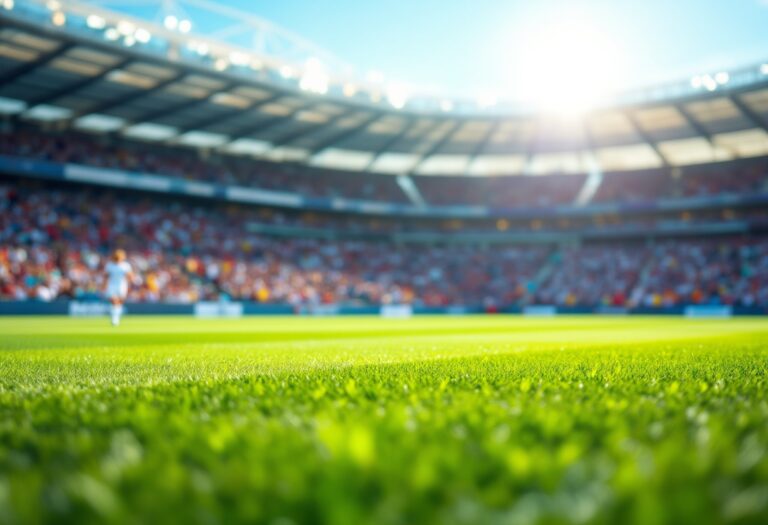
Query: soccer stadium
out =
(243, 280)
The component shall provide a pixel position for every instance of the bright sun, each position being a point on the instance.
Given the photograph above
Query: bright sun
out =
(566, 65)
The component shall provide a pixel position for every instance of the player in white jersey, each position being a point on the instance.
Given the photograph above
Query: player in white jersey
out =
(119, 273)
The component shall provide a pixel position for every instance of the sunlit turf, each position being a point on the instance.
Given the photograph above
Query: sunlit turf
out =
(460, 420)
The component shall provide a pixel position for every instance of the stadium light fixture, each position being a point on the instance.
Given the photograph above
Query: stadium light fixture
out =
(314, 78)
(111, 34)
(58, 18)
(397, 95)
(142, 35)
(349, 89)
(125, 28)
(709, 83)
(171, 22)
(722, 78)
(8, 4)
(764, 69)
(238, 59)
(201, 48)
(53, 5)
(95, 22)
(185, 26)
(129, 41)
(220, 64)
(287, 72)
(696, 82)
(446, 105)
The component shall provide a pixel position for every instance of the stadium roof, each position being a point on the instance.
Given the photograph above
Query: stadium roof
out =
(59, 72)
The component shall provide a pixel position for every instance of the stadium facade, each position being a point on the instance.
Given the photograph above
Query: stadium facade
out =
(656, 202)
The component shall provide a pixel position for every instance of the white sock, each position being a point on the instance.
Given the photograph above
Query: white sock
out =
(115, 310)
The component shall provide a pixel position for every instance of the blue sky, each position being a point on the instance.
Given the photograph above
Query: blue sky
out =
(466, 47)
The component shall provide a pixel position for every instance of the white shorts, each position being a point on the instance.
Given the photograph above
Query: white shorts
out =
(117, 290)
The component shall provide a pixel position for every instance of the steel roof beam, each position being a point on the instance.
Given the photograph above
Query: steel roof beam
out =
(34, 64)
(378, 152)
(436, 146)
(646, 138)
(751, 114)
(130, 97)
(77, 86)
(268, 123)
(152, 116)
(483, 142)
(344, 134)
(215, 119)
(693, 123)
(308, 130)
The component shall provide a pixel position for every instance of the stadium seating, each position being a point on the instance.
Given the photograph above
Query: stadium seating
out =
(741, 177)
(185, 163)
(501, 192)
(53, 243)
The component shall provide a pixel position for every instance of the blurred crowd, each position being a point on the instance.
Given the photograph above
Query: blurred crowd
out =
(501, 192)
(498, 192)
(186, 163)
(54, 243)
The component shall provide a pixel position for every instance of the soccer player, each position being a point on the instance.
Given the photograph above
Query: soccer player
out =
(118, 274)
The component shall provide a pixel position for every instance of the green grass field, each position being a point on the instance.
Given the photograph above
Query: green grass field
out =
(456, 420)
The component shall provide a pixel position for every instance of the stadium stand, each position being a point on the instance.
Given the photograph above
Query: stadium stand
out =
(223, 179)
(503, 192)
(79, 148)
(500, 192)
(54, 242)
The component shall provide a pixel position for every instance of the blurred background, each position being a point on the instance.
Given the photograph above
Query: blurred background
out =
(338, 157)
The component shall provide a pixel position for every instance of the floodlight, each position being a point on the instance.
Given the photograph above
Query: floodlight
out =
(287, 72)
(111, 34)
(397, 95)
(142, 35)
(238, 59)
(710, 84)
(201, 48)
(58, 18)
(125, 28)
(185, 26)
(95, 22)
(722, 77)
(314, 78)
(171, 22)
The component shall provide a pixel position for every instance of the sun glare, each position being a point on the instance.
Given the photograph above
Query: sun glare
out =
(566, 65)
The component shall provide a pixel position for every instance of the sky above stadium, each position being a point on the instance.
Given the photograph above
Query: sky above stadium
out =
(514, 48)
